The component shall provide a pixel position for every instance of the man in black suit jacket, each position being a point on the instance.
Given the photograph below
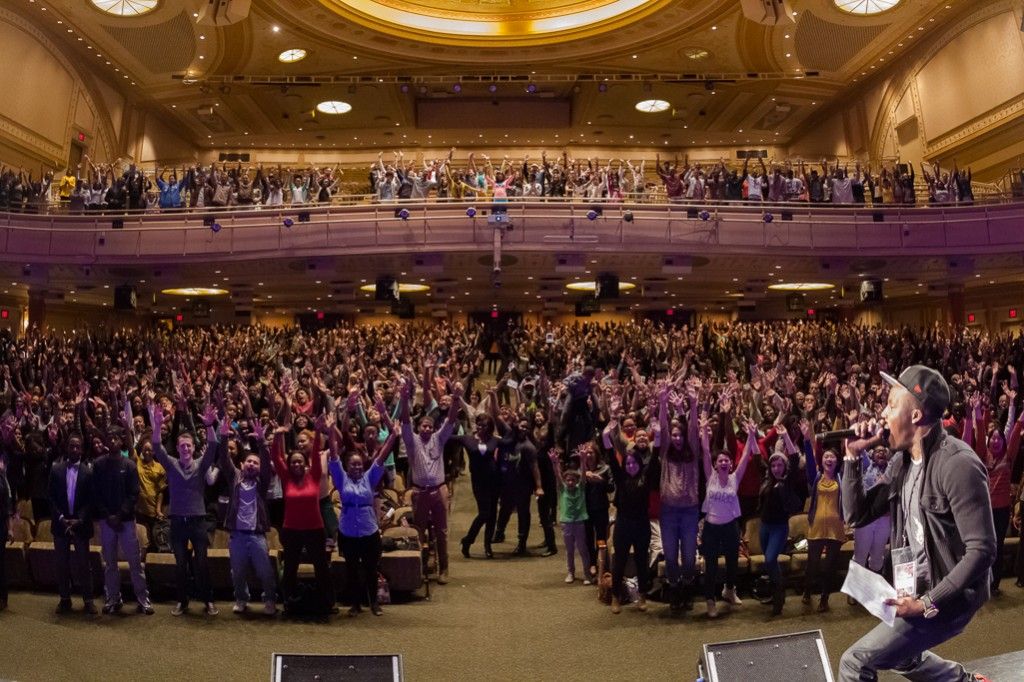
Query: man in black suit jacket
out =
(71, 503)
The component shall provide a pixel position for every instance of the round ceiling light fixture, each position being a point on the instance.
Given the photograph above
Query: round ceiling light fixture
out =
(652, 106)
(296, 54)
(592, 286)
(334, 107)
(866, 7)
(126, 8)
(696, 53)
(195, 291)
(801, 286)
(403, 288)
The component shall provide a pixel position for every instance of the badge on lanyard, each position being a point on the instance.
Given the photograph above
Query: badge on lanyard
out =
(904, 572)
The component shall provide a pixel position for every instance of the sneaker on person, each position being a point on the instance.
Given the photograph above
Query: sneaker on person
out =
(270, 608)
(586, 581)
(179, 608)
(712, 609)
(240, 607)
(211, 609)
(146, 608)
(569, 578)
(730, 597)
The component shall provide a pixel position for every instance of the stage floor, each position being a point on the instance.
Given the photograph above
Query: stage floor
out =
(507, 619)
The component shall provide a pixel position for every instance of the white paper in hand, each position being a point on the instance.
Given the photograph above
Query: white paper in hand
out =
(871, 590)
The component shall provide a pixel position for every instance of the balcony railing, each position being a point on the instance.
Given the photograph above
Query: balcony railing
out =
(536, 225)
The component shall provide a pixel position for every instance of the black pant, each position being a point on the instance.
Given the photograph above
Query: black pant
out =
(362, 556)
(76, 563)
(596, 527)
(486, 513)
(822, 573)
(516, 497)
(547, 509)
(1001, 518)
(632, 534)
(187, 530)
(313, 541)
(3, 559)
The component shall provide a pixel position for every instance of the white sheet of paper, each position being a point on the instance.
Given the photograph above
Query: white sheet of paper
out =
(871, 590)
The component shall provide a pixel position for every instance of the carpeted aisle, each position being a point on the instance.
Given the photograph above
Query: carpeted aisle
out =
(507, 619)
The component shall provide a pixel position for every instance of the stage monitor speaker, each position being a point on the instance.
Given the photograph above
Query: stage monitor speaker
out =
(125, 297)
(796, 657)
(607, 286)
(387, 289)
(871, 291)
(328, 668)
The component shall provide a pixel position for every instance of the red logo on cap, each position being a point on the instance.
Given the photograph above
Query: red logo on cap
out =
(917, 388)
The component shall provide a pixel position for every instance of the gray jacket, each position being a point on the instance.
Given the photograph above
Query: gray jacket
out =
(960, 537)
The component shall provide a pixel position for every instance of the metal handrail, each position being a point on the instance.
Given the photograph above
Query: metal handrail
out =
(990, 194)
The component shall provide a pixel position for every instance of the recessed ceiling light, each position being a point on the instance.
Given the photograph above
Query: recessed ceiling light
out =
(126, 8)
(195, 291)
(592, 286)
(801, 286)
(652, 106)
(403, 288)
(296, 54)
(334, 107)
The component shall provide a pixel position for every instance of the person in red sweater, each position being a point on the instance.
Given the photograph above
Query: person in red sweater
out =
(998, 452)
(303, 527)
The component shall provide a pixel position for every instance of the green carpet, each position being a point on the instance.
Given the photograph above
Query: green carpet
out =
(507, 619)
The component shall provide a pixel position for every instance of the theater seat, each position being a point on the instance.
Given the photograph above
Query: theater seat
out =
(160, 572)
(798, 528)
(16, 558)
(403, 567)
(219, 560)
(42, 560)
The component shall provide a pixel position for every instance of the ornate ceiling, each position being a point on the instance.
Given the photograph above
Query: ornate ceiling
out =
(729, 79)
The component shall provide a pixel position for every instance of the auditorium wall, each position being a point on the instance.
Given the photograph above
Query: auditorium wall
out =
(958, 93)
(48, 101)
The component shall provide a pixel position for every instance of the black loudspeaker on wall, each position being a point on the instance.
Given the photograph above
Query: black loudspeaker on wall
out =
(607, 286)
(796, 657)
(125, 297)
(387, 289)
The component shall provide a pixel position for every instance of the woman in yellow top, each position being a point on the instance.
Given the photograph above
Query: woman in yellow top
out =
(827, 530)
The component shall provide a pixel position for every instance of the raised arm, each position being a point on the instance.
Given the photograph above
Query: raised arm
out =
(749, 449)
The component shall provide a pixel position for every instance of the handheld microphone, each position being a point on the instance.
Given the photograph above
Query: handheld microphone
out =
(836, 435)
(880, 438)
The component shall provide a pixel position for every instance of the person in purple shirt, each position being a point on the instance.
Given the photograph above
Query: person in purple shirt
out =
(360, 534)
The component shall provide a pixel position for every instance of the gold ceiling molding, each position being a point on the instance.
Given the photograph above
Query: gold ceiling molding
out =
(498, 23)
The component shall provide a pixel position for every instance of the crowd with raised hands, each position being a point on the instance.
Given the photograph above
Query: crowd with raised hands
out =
(123, 185)
(797, 181)
(675, 444)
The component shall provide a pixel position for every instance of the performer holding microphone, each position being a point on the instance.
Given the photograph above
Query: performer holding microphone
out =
(942, 539)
